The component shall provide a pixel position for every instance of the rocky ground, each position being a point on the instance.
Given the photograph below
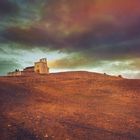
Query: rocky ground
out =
(69, 106)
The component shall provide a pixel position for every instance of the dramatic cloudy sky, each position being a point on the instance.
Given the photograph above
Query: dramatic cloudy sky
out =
(93, 35)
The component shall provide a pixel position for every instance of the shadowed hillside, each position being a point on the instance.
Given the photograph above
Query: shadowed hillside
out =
(69, 106)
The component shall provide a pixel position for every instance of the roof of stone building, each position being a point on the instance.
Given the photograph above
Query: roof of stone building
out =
(31, 67)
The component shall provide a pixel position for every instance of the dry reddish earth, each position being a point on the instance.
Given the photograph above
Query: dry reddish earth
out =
(69, 106)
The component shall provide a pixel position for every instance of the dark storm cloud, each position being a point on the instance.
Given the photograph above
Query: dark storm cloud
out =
(104, 40)
(32, 36)
(7, 8)
(101, 37)
(108, 42)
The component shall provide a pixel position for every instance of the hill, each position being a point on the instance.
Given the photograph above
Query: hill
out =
(69, 106)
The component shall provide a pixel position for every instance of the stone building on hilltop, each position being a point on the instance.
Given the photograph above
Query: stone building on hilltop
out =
(40, 67)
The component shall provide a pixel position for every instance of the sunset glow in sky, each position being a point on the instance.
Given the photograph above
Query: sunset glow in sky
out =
(93, 35)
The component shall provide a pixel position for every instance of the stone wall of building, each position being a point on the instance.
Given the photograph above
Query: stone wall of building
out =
(15, 73)
(41, 67)
(28, 73)
(29, 69)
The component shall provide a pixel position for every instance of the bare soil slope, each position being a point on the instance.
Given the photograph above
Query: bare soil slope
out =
(69, 106)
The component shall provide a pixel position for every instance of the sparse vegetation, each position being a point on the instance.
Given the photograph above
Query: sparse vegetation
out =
(120, 76)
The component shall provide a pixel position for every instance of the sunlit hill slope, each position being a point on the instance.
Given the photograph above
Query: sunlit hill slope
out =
(69, 106)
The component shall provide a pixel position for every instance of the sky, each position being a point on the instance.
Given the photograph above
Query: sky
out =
(93, 35)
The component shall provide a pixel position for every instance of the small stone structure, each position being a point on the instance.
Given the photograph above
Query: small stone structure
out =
(40, 67)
